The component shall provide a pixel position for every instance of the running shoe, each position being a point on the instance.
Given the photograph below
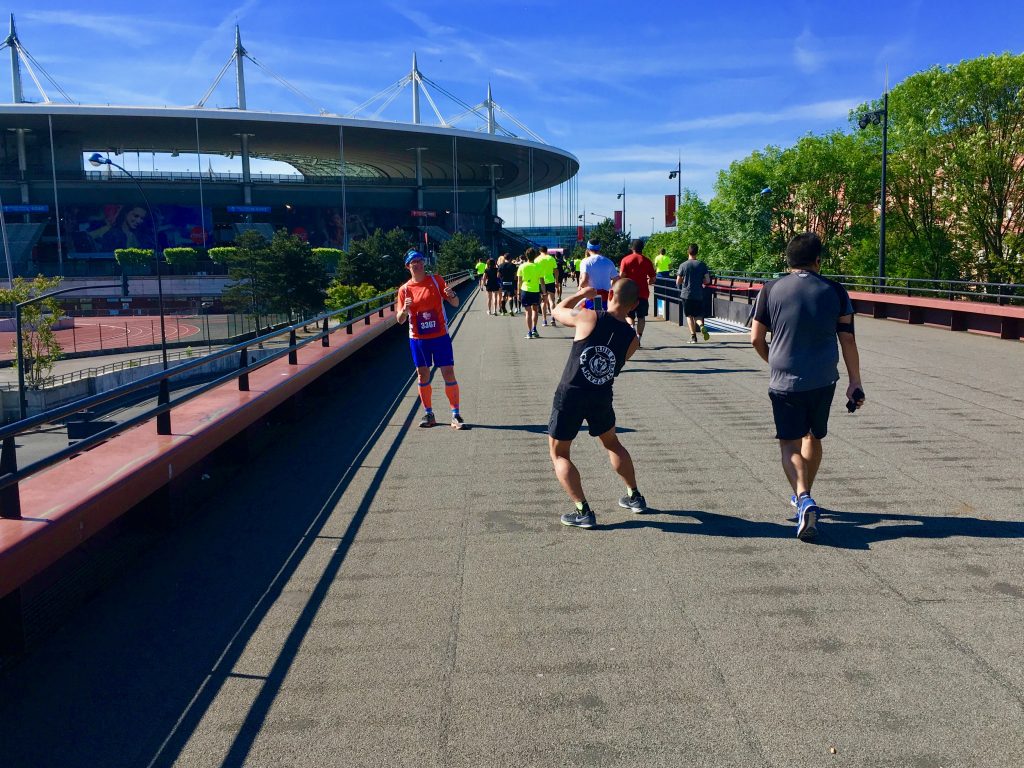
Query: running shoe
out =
(535, 334)
(457, 421)
(428, 420)
(635, 502)
(529, 335)
(806, 528)
(693, 339)
(578, 519)
(545, 323)
(704, 332)
(553, 323)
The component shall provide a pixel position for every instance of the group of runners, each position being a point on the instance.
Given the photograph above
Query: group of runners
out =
(810, 319)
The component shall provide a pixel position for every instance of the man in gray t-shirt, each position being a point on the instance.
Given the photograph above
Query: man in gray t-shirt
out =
(805, 314)
(691, 277)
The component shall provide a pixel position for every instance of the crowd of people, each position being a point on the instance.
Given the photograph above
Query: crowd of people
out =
(809, 317)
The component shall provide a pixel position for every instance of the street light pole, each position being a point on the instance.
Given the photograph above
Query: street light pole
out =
(677, 174)
(622, 196)
(97, 160)
(874, 118)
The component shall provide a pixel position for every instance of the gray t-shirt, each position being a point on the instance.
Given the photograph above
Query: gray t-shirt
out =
(801, 310)
(693, 272)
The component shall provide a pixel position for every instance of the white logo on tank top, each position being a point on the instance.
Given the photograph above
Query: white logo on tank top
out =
(598, 365)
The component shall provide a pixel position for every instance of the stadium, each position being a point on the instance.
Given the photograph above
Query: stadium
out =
(352, 174)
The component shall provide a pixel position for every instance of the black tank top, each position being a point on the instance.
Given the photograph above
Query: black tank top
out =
(595, 361)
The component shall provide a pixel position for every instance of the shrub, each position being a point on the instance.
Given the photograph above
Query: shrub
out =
(133, 257)
(185, 258)
(329, 257)
(222, 255)
(340, 295)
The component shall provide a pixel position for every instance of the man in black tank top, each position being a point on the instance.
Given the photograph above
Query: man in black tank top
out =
(604, 341)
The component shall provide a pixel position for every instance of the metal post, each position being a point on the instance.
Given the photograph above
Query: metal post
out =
(22, 401)
(243, 363)
(885, 153)
(163, 421)
(326, 340)
(348, 322)
(10, 497)
(293, 353)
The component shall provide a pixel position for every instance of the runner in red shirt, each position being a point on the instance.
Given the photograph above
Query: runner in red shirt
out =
(420, 301)
(640, 270)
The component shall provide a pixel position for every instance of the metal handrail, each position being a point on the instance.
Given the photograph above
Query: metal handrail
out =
(12, 475)
(953, 289)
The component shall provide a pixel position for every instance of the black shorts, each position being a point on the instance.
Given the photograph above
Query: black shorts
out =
(642, 308)
(529, 298)
(693, 308)
(492, 285)
(509, 288)
(549, 287)
(800, 413)
(571, 407)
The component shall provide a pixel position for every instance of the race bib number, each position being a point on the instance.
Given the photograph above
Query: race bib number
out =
(427, 322)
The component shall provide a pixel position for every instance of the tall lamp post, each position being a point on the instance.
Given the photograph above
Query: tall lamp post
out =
(164, 419)
(677, 174)
(874, 118)
(583, 217)
(622, 196)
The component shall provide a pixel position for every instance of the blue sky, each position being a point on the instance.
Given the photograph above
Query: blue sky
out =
(625, 86)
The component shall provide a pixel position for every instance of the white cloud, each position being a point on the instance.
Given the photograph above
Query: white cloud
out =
(819, 111)
(807, 53)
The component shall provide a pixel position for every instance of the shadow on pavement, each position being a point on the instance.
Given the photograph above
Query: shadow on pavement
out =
(132, 675)
(537, 429)
(697, 371)
(842, 530)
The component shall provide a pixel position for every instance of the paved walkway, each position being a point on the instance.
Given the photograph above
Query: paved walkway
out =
(372, 594)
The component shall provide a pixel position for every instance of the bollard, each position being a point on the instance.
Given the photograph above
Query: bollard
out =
(10, 497)
(293, 353)
(163, 420)
(348, 322)
(326, 340)
(243, 363)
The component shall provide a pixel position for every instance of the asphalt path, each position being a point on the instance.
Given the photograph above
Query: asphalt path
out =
(368, 593)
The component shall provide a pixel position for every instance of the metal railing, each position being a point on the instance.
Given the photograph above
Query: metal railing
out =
(11, 475)
(952, 290)
(57, 380)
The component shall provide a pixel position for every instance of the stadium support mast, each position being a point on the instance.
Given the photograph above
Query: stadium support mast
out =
(12, 43)
(415, 75)
(490, 111)
(240, 54)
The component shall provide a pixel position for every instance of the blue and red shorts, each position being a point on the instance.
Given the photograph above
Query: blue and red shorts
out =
(436, 351)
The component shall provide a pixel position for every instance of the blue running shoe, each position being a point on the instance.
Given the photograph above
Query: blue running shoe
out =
(793, 504)
(580, 518)
(806, 528)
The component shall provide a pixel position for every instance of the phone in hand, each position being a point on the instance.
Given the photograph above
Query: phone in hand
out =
(858, 394)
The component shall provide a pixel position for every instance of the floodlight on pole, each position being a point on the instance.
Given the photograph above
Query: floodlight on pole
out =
(677, 174)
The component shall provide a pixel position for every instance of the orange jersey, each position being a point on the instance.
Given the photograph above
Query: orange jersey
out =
(426, 315)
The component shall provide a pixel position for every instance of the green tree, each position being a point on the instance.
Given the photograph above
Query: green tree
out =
(251, 270)
(614, 244)
(41, 348)
(460, 252)
(298, 280)
(378, 259)
(340, 295)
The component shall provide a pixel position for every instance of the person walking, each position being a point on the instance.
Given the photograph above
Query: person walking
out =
(531, 283)
(548, 266)
(507, 276)
(663, 264)
(691, 278)
(481, 265)
(492, 284)
(421, 302)
(805, 314)
(597, 271)
(602, 344)
(640, 270)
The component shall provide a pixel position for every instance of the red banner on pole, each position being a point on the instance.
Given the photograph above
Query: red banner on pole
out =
(670, 210)
(618, 221)
(579, 234)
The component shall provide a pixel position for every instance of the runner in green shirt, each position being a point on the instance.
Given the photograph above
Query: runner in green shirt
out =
(481, 265)
(662, 264)
(576, 269)
(548, 266)
(531, 284)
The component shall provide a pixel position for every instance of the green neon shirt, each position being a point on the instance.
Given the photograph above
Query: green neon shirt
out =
(662, 262)
(480, 267)
(531, 275)
(547, 265)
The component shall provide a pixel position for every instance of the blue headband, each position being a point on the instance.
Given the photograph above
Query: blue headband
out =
(412, 254)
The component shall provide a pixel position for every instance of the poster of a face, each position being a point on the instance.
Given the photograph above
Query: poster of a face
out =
(103, 229)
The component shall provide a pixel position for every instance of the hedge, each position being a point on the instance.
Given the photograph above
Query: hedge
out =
(133, 257)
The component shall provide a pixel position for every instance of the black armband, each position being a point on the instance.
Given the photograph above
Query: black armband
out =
(845, 327)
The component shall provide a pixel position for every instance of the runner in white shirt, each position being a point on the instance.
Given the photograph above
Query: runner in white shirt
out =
(597, 272)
